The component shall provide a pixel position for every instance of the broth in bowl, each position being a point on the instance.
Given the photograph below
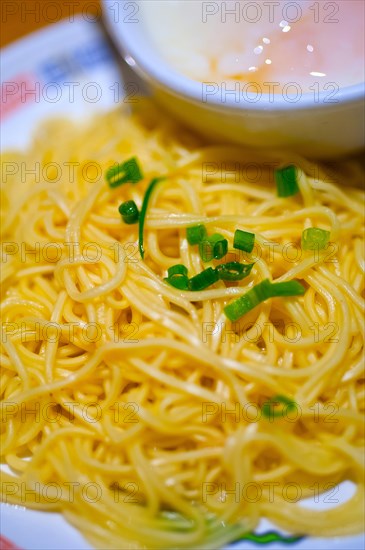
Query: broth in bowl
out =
(269, 43)
(262, 74)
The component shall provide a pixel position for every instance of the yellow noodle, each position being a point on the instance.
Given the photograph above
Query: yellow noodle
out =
(134, 408)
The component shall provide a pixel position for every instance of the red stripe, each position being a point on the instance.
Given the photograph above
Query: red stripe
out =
(18, 91)
(5, 544)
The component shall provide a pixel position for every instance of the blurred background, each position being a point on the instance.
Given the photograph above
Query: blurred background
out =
(20, 17)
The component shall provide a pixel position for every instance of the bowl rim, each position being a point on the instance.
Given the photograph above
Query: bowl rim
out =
(177, 84)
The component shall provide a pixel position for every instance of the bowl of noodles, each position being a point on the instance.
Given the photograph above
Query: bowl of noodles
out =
(182, 326)
(282, 76)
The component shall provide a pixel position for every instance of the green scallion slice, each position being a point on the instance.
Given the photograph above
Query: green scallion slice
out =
(129, 212)
(269, 537)
(142, 215)
(270, 411)
(233, 271)
(126, 172)
(213, 247)
(288, 288)
(204, 279)
(262, 291)
(315, 238)
(178, 277)
(196, 234)
(178, 269)
(244, 240)
(259, 293)
(286, 181)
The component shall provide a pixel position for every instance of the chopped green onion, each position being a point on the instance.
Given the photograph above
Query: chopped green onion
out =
(262, 291)
(129, 212)
(196, 234)
(315, 238)
(235, 310)
(233, 271)
(128, 171)
(142, 215)
(286, 181)
(204, 279)
(268, 408)
(259, 293)
(243, 240)
(179, 269)
(287, 288)
(269, 537)
(178, 277)
(215, 246)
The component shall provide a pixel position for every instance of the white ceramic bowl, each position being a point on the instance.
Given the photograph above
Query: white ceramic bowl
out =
(311, 126)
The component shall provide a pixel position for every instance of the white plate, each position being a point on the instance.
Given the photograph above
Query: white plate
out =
(70, 69)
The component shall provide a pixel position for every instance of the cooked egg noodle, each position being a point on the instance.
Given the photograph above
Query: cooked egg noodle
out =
(148, 432)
